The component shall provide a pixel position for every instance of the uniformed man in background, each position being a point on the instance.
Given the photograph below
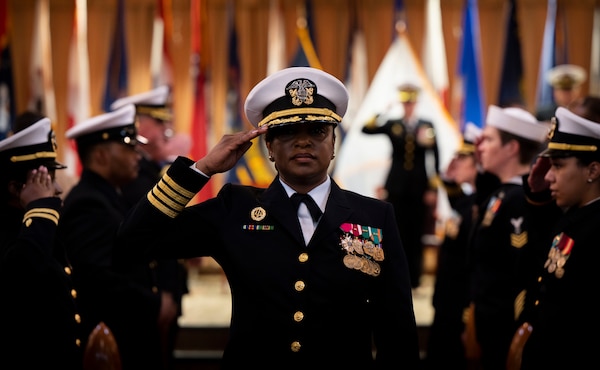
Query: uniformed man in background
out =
(40, 321)
(128, 301)
(155, 123)
(566, 81)
(413, 178)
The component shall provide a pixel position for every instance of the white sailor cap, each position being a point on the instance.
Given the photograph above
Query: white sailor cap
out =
(119, 125)
(296, 95)
(30, 148)
(470, 135)
(154, 103)
(572, 135)
(518, 122)
(566, 76)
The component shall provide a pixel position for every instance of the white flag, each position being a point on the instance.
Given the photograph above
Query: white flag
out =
(363, 160)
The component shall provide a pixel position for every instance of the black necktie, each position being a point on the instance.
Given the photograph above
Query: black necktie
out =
(314, 210)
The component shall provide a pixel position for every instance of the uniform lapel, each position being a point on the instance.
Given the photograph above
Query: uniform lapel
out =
(281, 208)
(337, 212)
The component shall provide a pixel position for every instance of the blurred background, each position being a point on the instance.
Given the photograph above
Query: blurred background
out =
(70, 59)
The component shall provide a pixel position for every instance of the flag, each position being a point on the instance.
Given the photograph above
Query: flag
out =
(276, 45)
(161, 64)
(512, 70)
(7, 102)
(472, 100)
(595, 55)
(116, 74)
(434, 52)
(41, 98)
(544, 90)
(363, 160)
(357, 81)
(306, 56)
(78, 92)
(199, 122)
(253, 168)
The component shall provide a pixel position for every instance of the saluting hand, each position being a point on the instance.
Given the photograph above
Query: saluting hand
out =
(39, 184)
(228, 151)
(536, 180)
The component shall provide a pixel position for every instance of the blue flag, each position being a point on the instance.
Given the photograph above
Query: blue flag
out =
(116, 75)
(470, 70)
(512, 69)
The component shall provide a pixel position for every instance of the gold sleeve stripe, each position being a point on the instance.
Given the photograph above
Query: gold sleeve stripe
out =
(50, 211)
(172, 184)
(33, 214)
(160, 206)
(168, 197)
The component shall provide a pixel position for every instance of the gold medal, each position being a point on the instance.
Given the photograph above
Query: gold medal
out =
(348, 261)
(357, 246)
(560, 272)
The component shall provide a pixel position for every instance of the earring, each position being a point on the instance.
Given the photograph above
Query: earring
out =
(590, 181)
(271, 158)
(333, 156)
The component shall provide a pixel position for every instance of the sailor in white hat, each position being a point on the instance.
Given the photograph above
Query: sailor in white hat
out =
(39, 297)
(566, 81)
(31, 147)
(162, 145)
(564, 186)
(116, 126)
(324, 253)
(511, 139)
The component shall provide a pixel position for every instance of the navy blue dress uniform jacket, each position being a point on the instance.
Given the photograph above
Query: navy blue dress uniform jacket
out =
(40, 323)
(500, 238)
(560, 304)
(125, 301)
(293, 305)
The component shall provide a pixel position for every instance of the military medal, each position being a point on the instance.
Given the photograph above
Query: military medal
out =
(363, 247)
(492, 208)
(558, 255)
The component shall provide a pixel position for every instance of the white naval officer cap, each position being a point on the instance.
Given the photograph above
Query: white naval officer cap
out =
(572, 135)
(30, 148)
(518, 122)
(154, 103)
(566, 76)
(119, 125)
(296, 95)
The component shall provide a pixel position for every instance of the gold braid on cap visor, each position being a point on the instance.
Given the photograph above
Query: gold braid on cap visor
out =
(293, 115)
(31, 157)
(162, 114)
(572, 147)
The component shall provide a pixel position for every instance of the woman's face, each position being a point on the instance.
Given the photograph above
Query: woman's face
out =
(302, 152)
(568, 182)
